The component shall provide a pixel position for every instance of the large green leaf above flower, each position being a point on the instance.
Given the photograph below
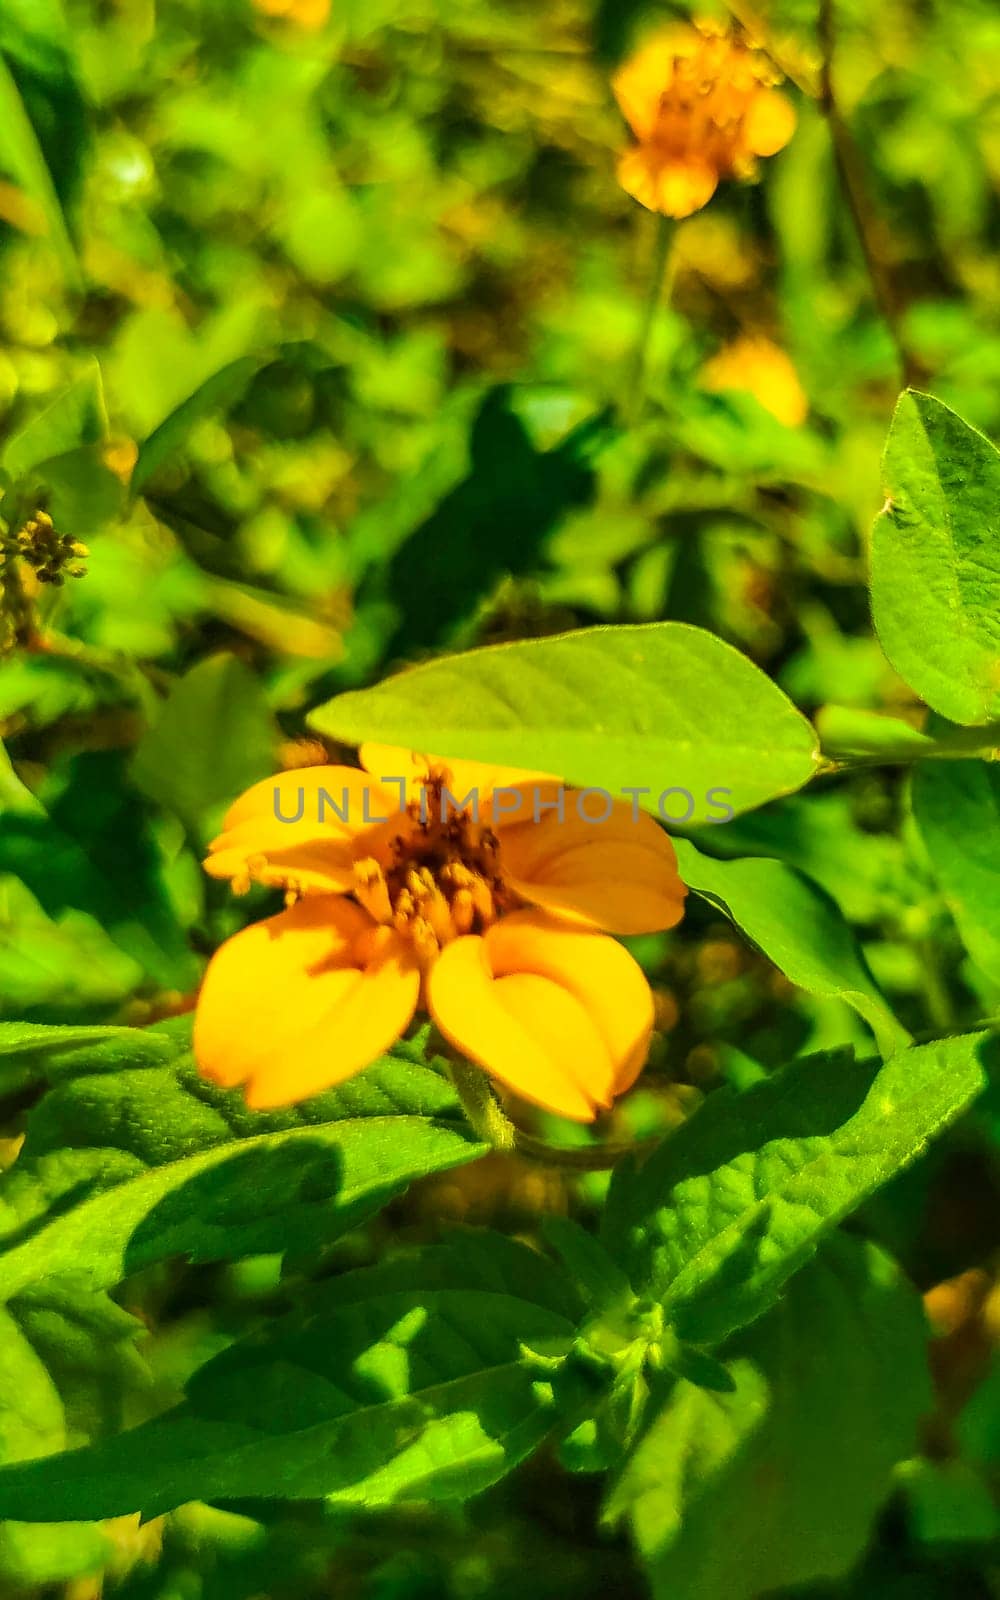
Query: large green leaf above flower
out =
(665, 712)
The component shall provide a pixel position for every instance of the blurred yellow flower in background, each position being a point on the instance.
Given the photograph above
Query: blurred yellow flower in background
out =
(489, 914)
(754, 365)
(303, 13)
(703, 107)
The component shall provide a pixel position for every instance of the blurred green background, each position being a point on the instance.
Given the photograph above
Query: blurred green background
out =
(317, 325)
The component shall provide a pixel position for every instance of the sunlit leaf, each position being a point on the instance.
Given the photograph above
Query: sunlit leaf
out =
(737, 1199)
(665, 711)
(936, 560)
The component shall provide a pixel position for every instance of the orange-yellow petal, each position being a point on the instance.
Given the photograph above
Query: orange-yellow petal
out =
(318, 861)
(302, 828)
(519, 1029)
(570, 1039)
(303, 1000)
(600, 972)
(463, 778)
(667, 184)
(340, 798)
(769, 123)
(639, 84)
(619, 874)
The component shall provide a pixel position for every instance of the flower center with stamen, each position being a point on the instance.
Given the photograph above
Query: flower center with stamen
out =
(443, 877)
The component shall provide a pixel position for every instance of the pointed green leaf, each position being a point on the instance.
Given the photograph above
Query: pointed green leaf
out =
(21, 155)
(737, 1199)
(124, 1166)
(218, 391)
(795, 1464)
(956, 806)
(798, 927)
(407, 1382)
(936, 560)
(657, 708)
(215, 736)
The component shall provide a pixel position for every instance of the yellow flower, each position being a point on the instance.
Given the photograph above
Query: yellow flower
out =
(304, 13)
(758, 367)
(702, 106)
(481, 895)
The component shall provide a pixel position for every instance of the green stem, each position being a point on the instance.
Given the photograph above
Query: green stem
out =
(490, 1122)
(581, 1158)
(962, 744)
(483, 1110)
(658, 284)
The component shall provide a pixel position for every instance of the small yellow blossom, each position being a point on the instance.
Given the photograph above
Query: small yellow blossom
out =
(308, 14)
(120, 455)
(703, 107)
(758, 367)
(480, 895)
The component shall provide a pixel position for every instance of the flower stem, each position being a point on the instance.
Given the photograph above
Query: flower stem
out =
(583, 1157)
(490, 1122)
(659, 281)
(850, 172)
(483, 1110)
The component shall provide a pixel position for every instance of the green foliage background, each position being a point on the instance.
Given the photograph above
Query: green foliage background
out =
(322, 341)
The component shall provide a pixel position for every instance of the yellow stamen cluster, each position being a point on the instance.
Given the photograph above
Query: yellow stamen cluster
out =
(52, 556)
(444, 879)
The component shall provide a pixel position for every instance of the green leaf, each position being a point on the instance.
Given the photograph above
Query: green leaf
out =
(798, 927)
(33, 1422)
(401, 1382)
(936, 560)
(126, 1164)
(214, 738)
(56, 964)
(218, 391)
(956, 806)
(795, 1464)
(103, 852)
(27, 1047)
(75, 418)
(737, 1199)
(849, 731)
(87, 1344)
(36, 1038)
(660, 707)
(600, 1279)
(195, 375)
(15, 797)
(21, 153)
(495, 523)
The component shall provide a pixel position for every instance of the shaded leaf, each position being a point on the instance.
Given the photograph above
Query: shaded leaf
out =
(404, 1382)
(42, 122)
(215, 736)
(796, 1462)
(74, 418)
